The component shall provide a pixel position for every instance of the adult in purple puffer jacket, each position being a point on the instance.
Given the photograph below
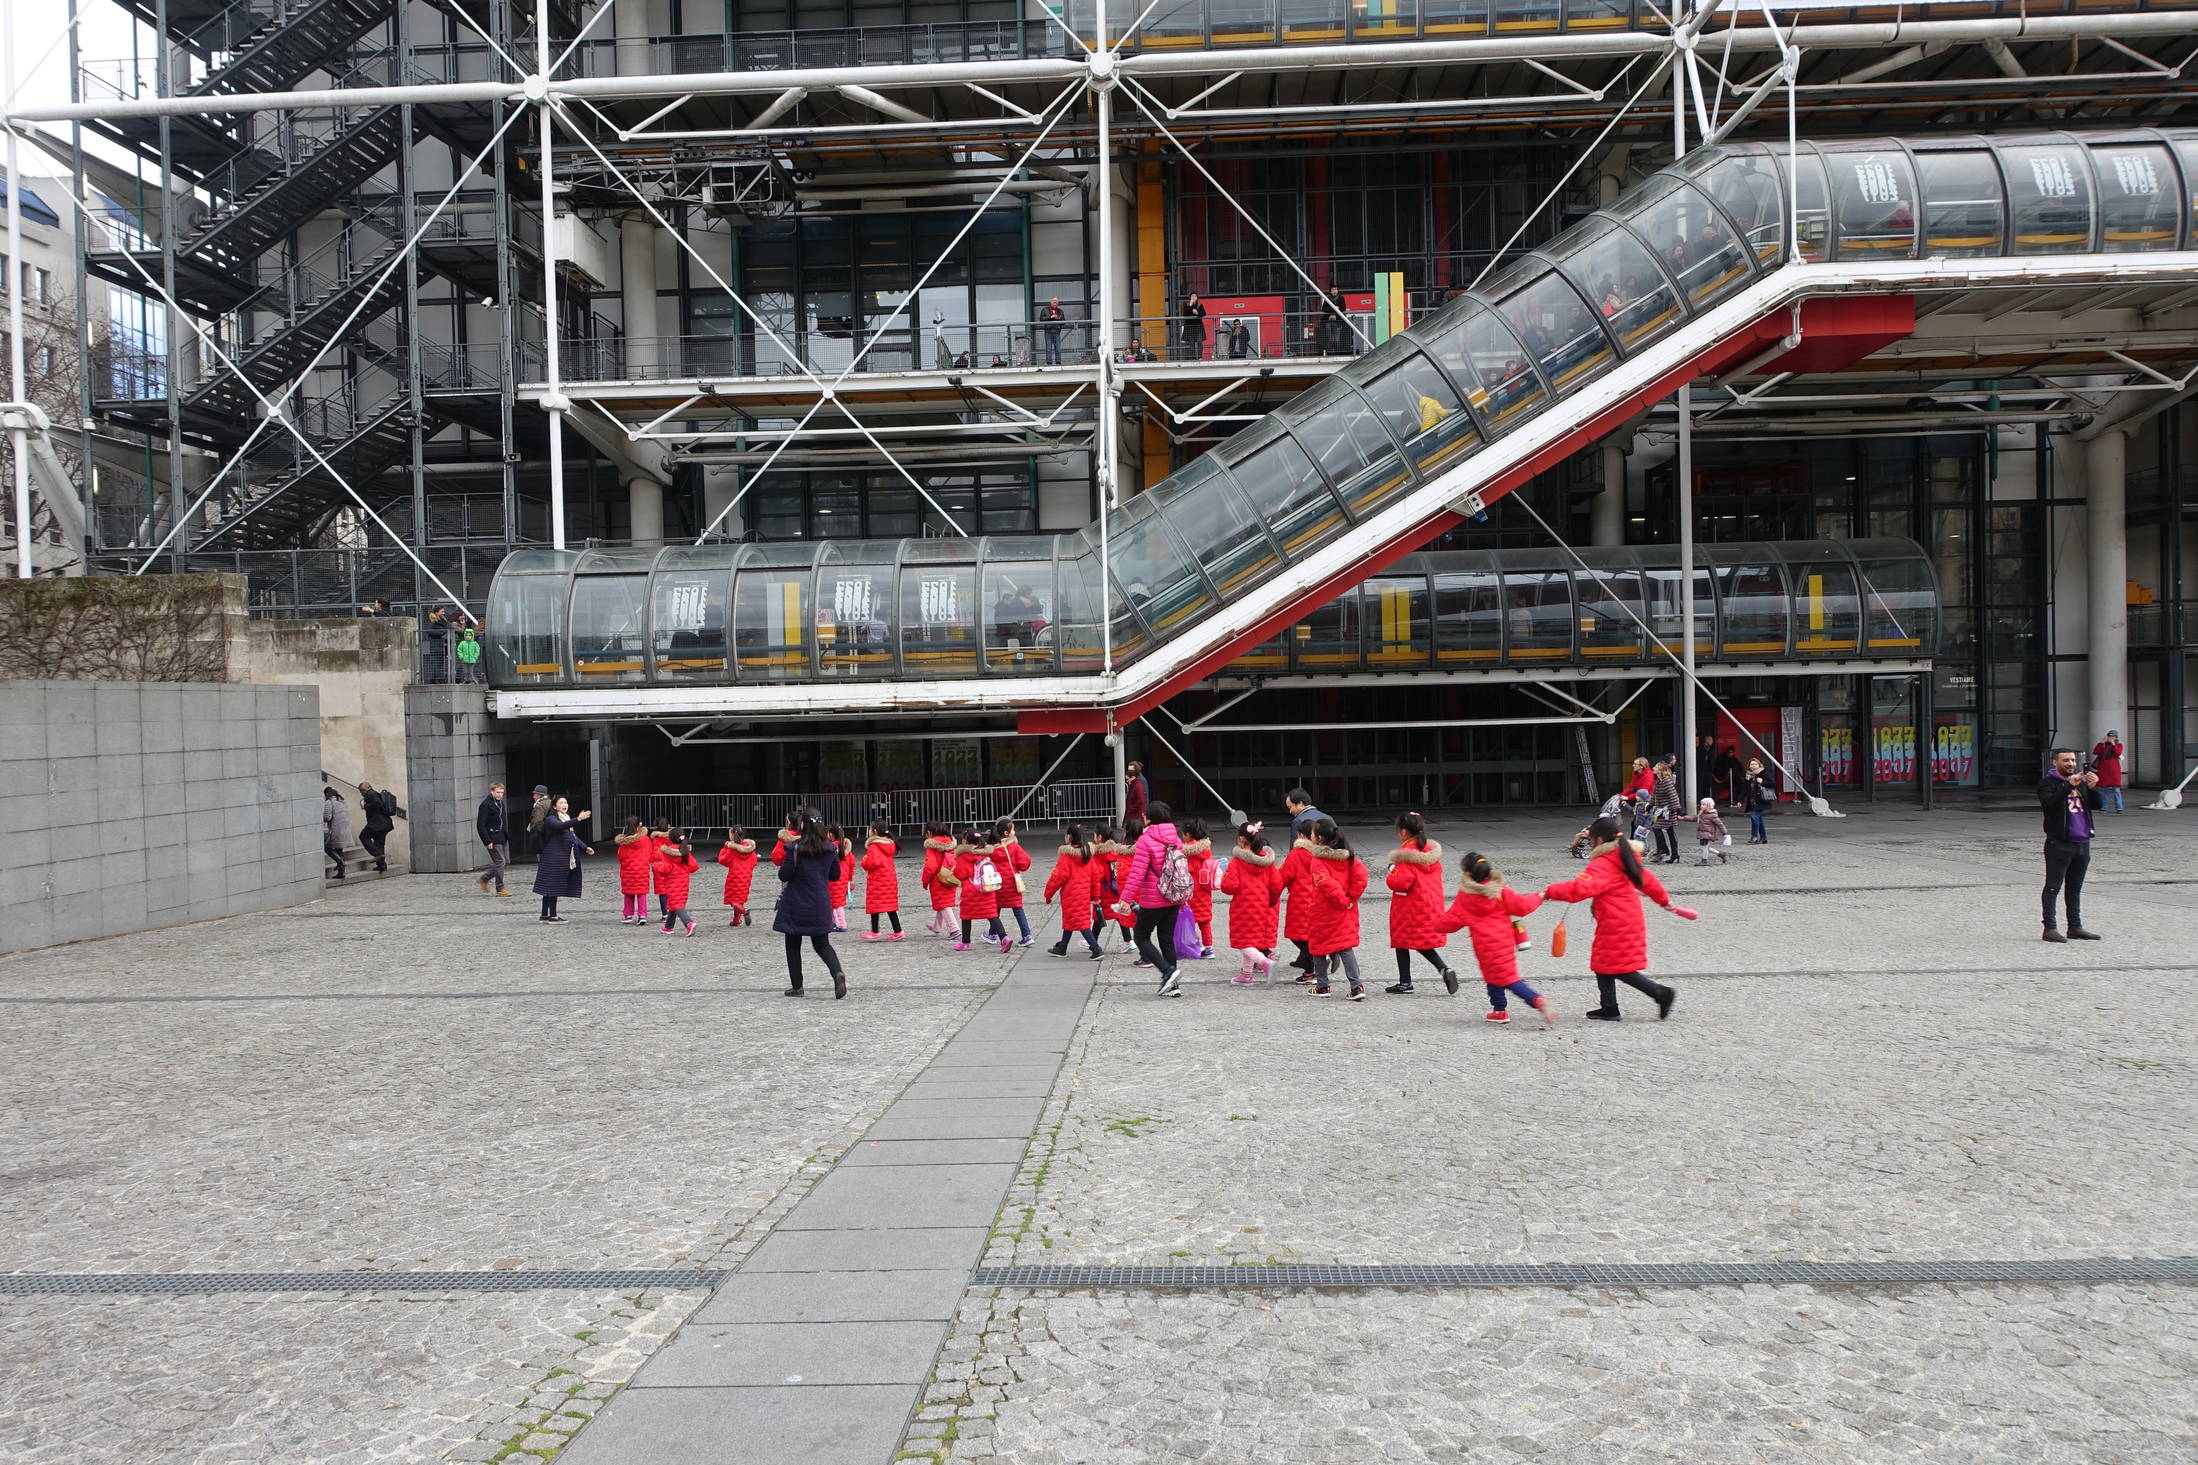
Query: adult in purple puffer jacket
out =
(1155, 929)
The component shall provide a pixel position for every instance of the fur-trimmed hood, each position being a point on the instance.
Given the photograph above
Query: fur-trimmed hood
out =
(884, 839)
(1303, 843)
(1323, 852)
(1265, 858)
(1070, 851)
(1404, 855)
(1491, 887)
(741, 846)
(1197, 847)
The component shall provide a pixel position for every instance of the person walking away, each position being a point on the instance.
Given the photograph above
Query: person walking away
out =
(492, 826)
(1051, 318)
(978, 880)
(1158, 882)
(1489, 912)
(881, 885)
(535, 816)
(738, 856)
(805, 874)
(469, 657)
(1416, 904)
(674, 868)
(1614, 883)
(557, 872)
(1136, 793)
(1198, 854)
(1254, 887)
(1298, 803)
(1194, 327)
(2106, 761)
(1335, 881)
(1070, 883)
(938, 869)
(1106, 883)
(1725, 776)
(1760, 797)
(659, 836)
(1667, 809)
(1120, 907)
(335, 828)
(2068, 798)
(636, 869)
(382, 812)
(1012, 859)
(1710, 832)
(842, 886)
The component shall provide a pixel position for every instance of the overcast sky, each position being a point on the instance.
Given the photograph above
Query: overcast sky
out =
(42, 59)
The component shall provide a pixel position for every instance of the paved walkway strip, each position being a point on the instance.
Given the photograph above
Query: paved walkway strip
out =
(817, 1349)
(1604, 1274)
(167, 1284)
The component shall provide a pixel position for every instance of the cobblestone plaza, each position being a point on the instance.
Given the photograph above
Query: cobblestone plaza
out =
(1873, 1060)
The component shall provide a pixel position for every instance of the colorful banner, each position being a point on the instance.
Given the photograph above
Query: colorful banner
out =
(1836, 755)
(1893, 752)
(1954, 753)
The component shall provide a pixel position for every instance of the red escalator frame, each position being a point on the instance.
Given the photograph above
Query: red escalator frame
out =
(1836, 331)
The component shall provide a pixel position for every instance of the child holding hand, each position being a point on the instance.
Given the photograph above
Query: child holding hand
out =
(1254, 887)
(1487, 909)
(881, 889)
(1615, 882)
(738, 856)
(1071, 882)
(1334, 882)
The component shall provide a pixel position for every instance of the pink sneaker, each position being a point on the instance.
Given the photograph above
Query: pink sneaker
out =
(872, 936)
(1244, 978)
(898, 936)
(690, 928)
(1496, 1017)
(1548, 1012)
(961, 946)
(1007, 946)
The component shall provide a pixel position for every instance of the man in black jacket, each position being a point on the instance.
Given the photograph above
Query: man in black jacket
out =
(2068, 799)
(492, 824)
(382, 813)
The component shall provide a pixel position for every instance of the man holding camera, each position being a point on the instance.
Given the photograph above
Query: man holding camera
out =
(2068, 798)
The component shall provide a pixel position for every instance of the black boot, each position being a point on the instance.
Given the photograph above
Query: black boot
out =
(1450, 981)
(1607, 1009)
(839, 985)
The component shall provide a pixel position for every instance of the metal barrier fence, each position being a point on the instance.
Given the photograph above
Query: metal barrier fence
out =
(902, 810)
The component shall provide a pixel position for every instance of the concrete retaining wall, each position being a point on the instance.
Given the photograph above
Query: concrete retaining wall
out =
(360, 668)
(453, 752)
(130, 805)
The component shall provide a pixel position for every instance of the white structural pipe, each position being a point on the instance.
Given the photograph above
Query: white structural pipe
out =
(18, 383)
(1358, 56)
(554, 401)
(2107, 537)
(1110, 385)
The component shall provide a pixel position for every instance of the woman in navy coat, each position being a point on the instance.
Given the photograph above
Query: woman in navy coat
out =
(557, 875)
(805, 876)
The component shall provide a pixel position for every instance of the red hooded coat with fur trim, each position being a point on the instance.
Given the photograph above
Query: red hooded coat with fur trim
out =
(938, 857)
(1621, 926)
(1253, 884)
(1198, 859)
(881, 886)
(1291, 879)
(978, 904)
(1011, 859)
(1334, 884)
(739, 861)
(673, 872)
(1415, 900)
(1484, 913)
(1071, 882)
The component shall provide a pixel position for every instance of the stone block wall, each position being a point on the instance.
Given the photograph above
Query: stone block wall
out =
(130, 805)
(453, 752)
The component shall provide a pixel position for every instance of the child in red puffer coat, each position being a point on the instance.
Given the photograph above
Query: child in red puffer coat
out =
(938, 862)
(1071, 882)
(674, 867)
(1011, 859)
(1489, 911)
(1254, 888)
(881, 889)
(1334, 881)
(977, 879)
(738, 856)
(1198, 859)
(844, 880)
(1615, 881)
(636, 852)
(1415, 903)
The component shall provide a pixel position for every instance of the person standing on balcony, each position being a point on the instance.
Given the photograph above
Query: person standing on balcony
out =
(2106, 760)
(1194, 328)
(1051, 319)
(435, 640)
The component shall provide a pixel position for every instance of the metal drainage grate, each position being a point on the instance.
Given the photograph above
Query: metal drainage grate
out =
(84, 1284)
(1674, 1274)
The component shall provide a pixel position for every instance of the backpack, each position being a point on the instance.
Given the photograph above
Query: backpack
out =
(1174, 879)
(988, 876)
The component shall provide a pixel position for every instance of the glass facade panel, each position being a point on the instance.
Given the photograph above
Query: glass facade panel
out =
(1538, 618)
(1075, 634)
(1693, 240)
(1900, 600)
(1152, 568)
(1287, 491)
(1963, 211)
(1828, 616)
(1212, 515)
(1346, 438)
(938, 602)
(527, 613)
(608, 639)
(1328, 639)
(771, 615)
(1631, 294)
(1610, 614)
(2049, 198)
(1749, 185)
(687, 623)
(2139, 203)
(854, 608)
(1423, 411)
(1751, 600)
(1486, 359)
(1873, 204)
(1560, 331)
(1667, 611)
(1397, 626)
(1468, 616)
(1018, 596)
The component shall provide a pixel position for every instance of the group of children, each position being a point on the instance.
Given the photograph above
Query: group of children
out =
(1309, 896)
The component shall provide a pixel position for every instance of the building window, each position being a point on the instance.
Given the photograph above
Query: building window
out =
(880, 504)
